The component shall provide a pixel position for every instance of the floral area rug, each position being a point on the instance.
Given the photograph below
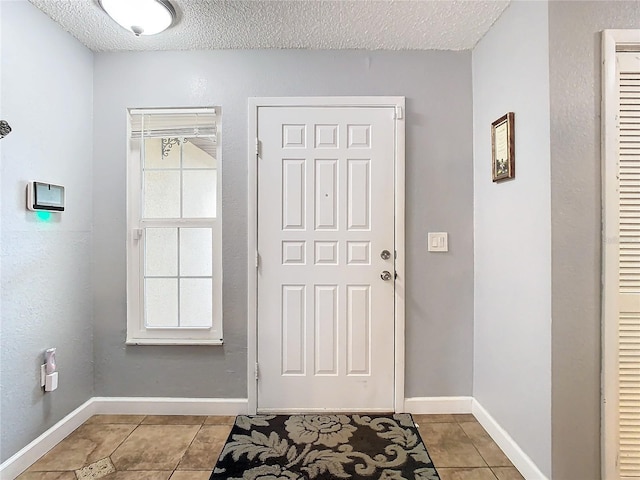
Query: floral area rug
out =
(323, 447)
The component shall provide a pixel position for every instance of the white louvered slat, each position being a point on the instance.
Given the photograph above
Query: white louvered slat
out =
(629, 265)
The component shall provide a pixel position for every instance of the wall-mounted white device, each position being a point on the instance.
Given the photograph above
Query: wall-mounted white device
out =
(438, 242)
(49, 371)
(45, 196)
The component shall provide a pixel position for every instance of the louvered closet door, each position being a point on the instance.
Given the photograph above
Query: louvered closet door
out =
(629, 266)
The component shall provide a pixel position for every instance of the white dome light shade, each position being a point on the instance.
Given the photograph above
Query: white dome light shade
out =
(142, 17)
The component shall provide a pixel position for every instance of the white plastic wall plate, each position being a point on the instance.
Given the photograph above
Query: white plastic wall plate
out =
(51, 382)
(438, 241)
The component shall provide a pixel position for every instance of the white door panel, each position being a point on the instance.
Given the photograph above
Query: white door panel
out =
(325, 212)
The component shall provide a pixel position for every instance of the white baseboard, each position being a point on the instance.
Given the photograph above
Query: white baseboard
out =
(170, 406)
(425, 405)
(23, 459)
(520, 460)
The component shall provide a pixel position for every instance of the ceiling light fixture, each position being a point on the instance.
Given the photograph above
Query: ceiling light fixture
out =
(142, 17)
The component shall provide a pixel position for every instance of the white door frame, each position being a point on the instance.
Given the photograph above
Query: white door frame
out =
(612, 40)
(252, 229)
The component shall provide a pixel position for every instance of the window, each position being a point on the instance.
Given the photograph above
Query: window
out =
(174, 265)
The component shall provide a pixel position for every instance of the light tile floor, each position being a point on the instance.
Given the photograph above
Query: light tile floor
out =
(183, 447)
(462, 450)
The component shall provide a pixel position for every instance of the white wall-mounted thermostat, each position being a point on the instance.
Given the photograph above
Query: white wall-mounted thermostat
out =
(45, 196)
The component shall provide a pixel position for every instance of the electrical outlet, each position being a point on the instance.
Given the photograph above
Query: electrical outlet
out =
(43, 374)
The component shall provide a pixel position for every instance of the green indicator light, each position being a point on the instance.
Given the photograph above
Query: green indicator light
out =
(42, 215)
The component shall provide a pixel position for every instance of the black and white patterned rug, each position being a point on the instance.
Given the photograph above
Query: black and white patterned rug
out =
(323, 447)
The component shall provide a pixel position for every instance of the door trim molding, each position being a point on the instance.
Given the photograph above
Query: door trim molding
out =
(252, 229)
(612, 41)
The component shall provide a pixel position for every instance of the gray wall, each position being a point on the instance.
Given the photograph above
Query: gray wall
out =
(512, 224)
(439, 301)
(575, 40)
(46, 266)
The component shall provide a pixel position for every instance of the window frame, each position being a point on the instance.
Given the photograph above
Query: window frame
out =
(137, 332)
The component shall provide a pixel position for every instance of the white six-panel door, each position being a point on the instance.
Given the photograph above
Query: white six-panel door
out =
(325, 319)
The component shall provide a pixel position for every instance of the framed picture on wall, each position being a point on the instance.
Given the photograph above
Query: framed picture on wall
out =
(503, 156)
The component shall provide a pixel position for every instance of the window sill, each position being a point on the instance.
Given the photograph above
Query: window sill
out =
(172, 341)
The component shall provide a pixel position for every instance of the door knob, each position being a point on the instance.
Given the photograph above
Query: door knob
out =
(385, 254)
(385, 275)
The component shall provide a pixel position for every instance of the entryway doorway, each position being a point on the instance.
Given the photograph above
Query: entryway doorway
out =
(329, 174)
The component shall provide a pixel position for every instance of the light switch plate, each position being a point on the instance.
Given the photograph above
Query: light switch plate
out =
(438, 241)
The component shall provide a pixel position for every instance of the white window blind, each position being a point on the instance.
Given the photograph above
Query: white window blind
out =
(174, 123)
(628, 78)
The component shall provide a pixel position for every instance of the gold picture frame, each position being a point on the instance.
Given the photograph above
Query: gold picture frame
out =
(503, 155)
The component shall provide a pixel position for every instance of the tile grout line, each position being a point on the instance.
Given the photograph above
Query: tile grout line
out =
(86, 423)
(485, 460)
(476, 449)
(188, 446)
(120, 444)
(456, 422)
(512, 466)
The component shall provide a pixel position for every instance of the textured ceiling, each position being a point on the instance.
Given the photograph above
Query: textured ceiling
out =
(312, 24)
